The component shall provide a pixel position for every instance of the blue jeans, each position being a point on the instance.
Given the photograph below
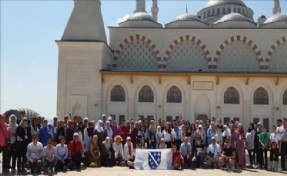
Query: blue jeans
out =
(47, 164)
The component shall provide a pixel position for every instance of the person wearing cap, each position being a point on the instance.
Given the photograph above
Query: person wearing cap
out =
(76, 151)
(213, 153)
(128, 150)
(34, 154)
(4, 139)
(23, 138)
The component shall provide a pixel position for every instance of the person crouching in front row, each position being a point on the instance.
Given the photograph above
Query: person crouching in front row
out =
(228, 156)
(185, 150)
(34, 154)
(49, 156)
(129, 150)
(62, 155)
(75, 151)
(95, 152)
(119, 152)
(177, 159)
(213, 153)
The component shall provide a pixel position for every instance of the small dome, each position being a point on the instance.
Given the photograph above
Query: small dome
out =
(233, 17)
(212, 3)
(140, 16)
(187, 17)
(276, 18)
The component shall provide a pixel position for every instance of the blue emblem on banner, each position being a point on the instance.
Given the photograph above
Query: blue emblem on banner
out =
(154, 159)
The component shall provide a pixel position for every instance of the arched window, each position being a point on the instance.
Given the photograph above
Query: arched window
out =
(231, 96)
(285, 97)
(261, 97)
(146, 94)
(174, 95)
(118, 94)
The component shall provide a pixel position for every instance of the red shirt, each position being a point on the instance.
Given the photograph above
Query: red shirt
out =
(75, 147)
(176, 158)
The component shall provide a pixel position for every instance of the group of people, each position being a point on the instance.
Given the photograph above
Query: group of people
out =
(67, 144)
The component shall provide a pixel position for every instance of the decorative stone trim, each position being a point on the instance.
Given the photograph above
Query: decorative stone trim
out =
(244, 39)
(273, 48)
(193, 39)
(131, 38)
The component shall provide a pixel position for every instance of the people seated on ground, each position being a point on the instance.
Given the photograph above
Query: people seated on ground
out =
(228, 156)
(162, 144)
(95, 152)
(49, 156)
(128, 150)
(131, 164)
(62, 155)
(198, 153)
(107, 153)
(177, 159)
(76, 151)
(186, 150)
(119, 151)
(34, 154)
(213, 153)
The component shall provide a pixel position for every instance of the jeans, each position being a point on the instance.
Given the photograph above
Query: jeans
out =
(47, 164)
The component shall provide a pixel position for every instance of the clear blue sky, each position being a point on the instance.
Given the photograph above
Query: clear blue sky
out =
(29, 54)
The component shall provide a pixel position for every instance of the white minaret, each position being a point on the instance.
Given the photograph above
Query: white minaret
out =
(154, 10)
(277, 8)
(140, 6)
(83, 52)
(86, 22)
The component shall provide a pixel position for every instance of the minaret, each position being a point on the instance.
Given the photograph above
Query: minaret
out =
(140, 6)
(86, 22)
(277, 8)
(154, 10)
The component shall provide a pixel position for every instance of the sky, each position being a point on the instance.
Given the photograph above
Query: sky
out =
(29, 54)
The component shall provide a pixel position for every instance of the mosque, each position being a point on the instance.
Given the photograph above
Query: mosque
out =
(218, 63)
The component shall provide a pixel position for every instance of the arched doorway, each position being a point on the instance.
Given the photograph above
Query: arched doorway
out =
(202, 117)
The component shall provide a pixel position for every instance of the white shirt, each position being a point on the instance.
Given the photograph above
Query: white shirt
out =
(34, 152)
(215, 149)
(275, 137)
(118, 149)
(167, 136)
(126, 151)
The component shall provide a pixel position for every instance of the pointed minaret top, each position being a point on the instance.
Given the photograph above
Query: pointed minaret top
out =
(86, 22)
(186, 10)
(277, 8)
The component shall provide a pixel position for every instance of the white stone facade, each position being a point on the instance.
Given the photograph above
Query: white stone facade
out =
(202, 63)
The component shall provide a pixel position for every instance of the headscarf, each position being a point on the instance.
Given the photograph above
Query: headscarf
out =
(226, 131)
(99, 128)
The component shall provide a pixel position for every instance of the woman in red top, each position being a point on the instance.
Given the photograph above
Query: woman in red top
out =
(76, 151)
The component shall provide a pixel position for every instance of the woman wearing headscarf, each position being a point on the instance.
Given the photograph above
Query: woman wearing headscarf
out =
(12, 131)
(23, 138)
(100, 132)
(249, 145)
(107, 153)
(88, 135)
(226, 134)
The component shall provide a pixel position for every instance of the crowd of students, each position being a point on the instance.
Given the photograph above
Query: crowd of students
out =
(67, 144)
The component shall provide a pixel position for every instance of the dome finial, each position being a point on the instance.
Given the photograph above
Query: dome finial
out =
(277, 8)
(186, 10)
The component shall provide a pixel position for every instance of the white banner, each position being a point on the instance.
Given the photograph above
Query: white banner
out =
(160, 159)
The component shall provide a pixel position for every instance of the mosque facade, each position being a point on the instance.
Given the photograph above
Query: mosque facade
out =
(216, 63)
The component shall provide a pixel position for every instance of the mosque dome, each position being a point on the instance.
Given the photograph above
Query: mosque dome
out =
(279, 17)
(212, 3)
(233, 17)
(140, 16)
(140, 20)
(187, 17)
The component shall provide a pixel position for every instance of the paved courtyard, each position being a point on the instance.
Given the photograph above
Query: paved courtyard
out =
(124, 171)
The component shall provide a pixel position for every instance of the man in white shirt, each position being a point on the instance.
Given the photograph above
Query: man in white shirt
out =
(34, 154)
(213, 153)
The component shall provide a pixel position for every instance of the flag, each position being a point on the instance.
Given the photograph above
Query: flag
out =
(160, 159)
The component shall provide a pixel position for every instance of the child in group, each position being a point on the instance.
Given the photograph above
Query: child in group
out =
(274, 148)
(177, 158)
